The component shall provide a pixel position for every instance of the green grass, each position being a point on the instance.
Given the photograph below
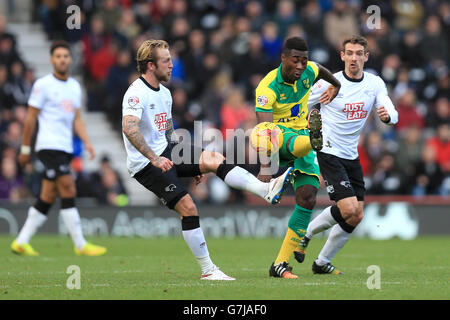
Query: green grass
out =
(163, 268)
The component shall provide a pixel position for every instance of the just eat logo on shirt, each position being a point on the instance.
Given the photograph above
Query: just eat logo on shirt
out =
(355, 111)
(161, 121)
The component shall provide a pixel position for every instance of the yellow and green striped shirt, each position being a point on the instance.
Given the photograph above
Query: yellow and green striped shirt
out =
(287, 102)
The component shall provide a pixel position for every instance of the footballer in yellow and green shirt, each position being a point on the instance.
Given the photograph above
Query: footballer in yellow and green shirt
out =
(281, 98)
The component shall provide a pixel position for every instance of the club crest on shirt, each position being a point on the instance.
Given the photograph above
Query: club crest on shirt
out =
(262, 100)
(306, 83)
(132, 101)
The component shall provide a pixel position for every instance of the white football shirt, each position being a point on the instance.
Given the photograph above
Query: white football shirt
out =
(153, 106)
(344, 117)
(57, 101)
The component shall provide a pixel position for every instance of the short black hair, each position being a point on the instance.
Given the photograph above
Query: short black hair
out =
(59, 44)
(296, 43)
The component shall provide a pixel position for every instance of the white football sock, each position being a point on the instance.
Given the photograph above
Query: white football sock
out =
(320, 223)
(72, 220)
(35, 219)
(197, 243)
(241, 179)
(336, 240)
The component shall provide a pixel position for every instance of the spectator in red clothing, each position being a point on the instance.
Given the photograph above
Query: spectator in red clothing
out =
(98, 50)
(235, 112)
(441, 144)
(407, 111)
(99, 54)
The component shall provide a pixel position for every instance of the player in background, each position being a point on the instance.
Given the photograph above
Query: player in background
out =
(343, 119)
(281, 98)
(55, 102)
(150, 144)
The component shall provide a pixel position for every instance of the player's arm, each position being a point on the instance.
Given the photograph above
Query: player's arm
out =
(130, 127)
(80, 130)
(385, 108)
(171, 136)
(328, 95)
(28, 130)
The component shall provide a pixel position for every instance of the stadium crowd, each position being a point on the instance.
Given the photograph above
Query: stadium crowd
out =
(221, 50)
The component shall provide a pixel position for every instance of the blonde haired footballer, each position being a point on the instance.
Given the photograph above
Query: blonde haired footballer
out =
(281, 98)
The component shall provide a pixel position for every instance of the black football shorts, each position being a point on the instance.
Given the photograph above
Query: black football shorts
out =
(167, 186)
(343, 178)
(56, 163)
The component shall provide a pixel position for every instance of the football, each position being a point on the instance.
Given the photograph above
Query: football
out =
(266, 138)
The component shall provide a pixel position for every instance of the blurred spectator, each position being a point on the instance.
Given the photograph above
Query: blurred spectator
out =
(386, 177)
(255, 14)
(127, 28)
(183, 113)
(339, 24)
(234, 112)
(441, 145)
(409, 14)
(285, 15)
(99, 55)
(110, 14)
(434, 45)
(407, 112)
(410, 50)
(410, 150)
(116, 84)
(428, 176)
(272, 42)
(439, 113)
(12, 186)
(312, 18)
(108, 187)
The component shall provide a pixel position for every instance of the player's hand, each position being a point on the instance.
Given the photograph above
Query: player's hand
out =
(163, 163)
(328, 95)
(24, 159)
(383, 114)
(198, 179)
(264, 177)
(91, 151)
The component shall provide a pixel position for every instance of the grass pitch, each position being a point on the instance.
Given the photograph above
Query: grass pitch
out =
(163, 268)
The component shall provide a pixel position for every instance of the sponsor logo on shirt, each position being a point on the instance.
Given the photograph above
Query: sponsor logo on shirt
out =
(67, 105)
(161, 121)
(355, 111)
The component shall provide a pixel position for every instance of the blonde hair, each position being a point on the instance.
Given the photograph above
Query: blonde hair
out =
(147, 53)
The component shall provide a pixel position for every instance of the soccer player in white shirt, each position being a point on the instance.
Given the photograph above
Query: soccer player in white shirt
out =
(343, 120)
(153, 159)
(55, 103)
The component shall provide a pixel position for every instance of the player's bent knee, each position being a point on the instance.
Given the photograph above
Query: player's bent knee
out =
(308, 202)
(186, 207)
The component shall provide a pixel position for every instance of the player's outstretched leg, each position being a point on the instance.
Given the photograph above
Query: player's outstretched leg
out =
(239, 178)
(315, 129)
